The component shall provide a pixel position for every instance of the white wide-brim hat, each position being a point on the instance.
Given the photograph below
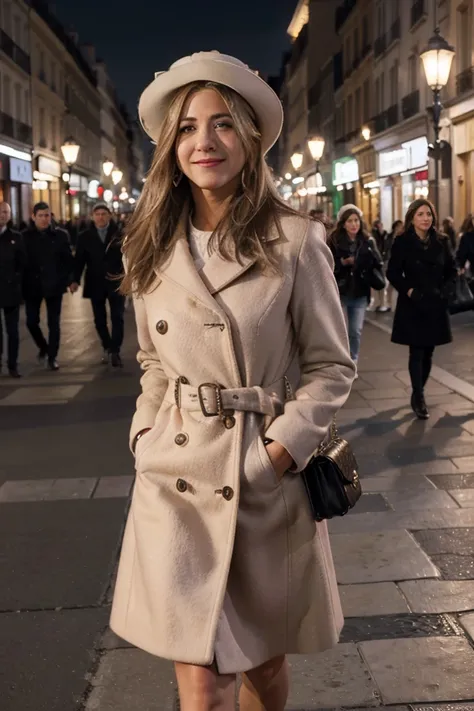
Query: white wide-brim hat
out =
(221, 69)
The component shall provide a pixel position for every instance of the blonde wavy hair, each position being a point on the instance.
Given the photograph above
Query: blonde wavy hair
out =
(253, 210)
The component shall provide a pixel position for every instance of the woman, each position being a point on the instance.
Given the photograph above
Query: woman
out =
(465, 251)
(422, 270)
(354, 252)
(450, 232)
(245, 360)
(397, 230)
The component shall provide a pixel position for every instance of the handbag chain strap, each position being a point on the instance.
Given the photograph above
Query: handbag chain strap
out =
(334, 434)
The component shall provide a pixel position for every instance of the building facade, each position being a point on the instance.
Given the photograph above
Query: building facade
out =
(15, 109)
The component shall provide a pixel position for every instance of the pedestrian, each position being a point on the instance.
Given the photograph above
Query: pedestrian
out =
(99, 251)
(450, 232)
(380, 236)
(48, 273)
(12, 263)
(422, 269)
(465, 253)
(397, 230)
(354, 251)
(222, 568)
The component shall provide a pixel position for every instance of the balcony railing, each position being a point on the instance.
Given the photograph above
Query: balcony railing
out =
(395, 30)
(392, 115)
(411, 104)
(15, 52)
(418, 10)
(465, 81)
(15, 129)
(380, 45)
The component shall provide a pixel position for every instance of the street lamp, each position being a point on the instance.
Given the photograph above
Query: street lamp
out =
(70, 150)
(116, 176)
(316, 148)
(437, 59)
(297, 160)
(107, 167)
(366, 133)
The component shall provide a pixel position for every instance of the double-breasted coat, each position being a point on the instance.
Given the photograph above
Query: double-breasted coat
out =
(422, 319)
(12, 263)
(102, 261)
(221, 561)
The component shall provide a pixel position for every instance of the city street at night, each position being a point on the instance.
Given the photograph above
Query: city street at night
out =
(404, 556)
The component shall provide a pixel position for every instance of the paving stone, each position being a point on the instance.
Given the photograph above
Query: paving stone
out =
(54, 395)
(447, 540)
(45, 658)
(366, 558)
(419, 500)
(28, 490)
(396, 520)
(455, 567)
(441, 707)
(372, 599)
(464, 464)
(398, 627)
(452, 481)
(355, 415)
(370, 503)
(467, 621)
(396, 483)
(329, 680)
(459, 445)
(385, 393)
(434, 596)
(398, 404)
(110, 487)
(427, 669)
(132, 679)
(63, 489)
(463, 497)
(110, 640)
(427, 468)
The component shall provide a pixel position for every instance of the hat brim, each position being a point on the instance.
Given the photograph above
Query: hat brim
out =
(154, 101)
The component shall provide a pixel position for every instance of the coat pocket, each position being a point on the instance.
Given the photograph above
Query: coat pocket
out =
(265, 460)
(149, 439)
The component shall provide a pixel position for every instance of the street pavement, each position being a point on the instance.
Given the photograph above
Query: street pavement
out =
(404, 556)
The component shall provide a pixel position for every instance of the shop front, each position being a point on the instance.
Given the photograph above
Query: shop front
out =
(402, 173)
(15, 182)
(345, 176)
(463, 163)
(47, 184)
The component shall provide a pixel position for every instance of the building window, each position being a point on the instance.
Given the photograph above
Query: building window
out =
(377, 96)
(366, 100)
(348, 55)
(53, 134)
(357, 109)
(382, 92)
(17, 31)
(381, 18)
(42, 136)
(7, 19)
(53, 75)
(413, 61)
(394, 84)
(27, 107)
(26, 38)
(350, 115)
(7, 98)
(18, 103)
(42, 73)
(356, 44)
(464, 39)
(365, 32)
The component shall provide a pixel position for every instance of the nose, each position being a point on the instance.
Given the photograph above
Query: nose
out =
(205, 140)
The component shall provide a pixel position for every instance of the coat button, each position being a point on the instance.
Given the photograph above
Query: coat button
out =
(229, 422)
(181, 486)
(181, 439)
(227, 493)
(162, 327)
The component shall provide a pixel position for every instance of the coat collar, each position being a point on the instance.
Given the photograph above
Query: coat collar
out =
(216, 274)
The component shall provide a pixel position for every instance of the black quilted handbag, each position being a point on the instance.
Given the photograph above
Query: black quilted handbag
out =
(331, 478)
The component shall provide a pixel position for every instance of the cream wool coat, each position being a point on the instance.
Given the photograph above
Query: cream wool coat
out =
(240, 577)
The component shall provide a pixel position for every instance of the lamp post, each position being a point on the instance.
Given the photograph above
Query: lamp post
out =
(70, 150)
(316, 148)
(107, 167)
(437, 59)
(297, 161)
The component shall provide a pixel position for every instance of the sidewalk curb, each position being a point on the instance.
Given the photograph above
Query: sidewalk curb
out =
(443, 377)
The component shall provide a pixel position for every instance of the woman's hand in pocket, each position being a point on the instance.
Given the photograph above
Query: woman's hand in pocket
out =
(279, 457)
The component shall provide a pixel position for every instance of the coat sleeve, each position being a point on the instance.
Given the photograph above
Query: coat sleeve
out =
(326, 368)
(66, 257)
(395, 269)
(79, 259)
(463, 252)
(153, 382)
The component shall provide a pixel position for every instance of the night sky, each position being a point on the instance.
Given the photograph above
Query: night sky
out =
(138, 37)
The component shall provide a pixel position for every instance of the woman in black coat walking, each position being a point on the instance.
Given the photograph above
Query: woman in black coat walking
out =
(465, 251)
(421, 269)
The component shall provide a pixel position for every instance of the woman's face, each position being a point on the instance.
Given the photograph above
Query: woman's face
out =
(352, 225)
(423, 218)
(208, 149)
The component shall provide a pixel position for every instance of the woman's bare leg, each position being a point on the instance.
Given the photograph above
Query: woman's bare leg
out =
(203, 689)
(265, 688)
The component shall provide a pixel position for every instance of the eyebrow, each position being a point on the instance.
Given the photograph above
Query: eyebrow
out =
(213, 117)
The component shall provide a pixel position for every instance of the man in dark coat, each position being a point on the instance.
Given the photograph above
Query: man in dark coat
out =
(12, 263)
(99, 251)
(48, 273)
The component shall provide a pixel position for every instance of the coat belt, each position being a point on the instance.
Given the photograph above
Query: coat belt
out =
(215, 401)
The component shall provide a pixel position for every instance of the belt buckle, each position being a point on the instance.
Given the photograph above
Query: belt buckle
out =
(217, 390)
